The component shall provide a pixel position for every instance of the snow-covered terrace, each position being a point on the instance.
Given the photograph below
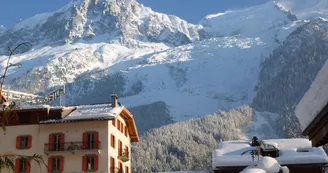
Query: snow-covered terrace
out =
(292, 152)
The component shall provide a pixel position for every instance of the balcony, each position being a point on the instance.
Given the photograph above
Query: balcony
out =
(124, 155)
(72, 147)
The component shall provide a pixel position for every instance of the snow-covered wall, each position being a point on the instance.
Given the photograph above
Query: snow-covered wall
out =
(314, 100)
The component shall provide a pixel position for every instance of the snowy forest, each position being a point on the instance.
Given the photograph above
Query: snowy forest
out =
(188, 145)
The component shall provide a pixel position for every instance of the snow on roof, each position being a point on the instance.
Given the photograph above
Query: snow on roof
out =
(292, 151)
(89, 112)
(314, 100)
(30, 107)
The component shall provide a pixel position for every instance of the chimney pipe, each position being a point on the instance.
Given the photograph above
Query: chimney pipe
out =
(114, 100)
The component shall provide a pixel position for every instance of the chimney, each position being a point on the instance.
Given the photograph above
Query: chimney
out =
(114, 100)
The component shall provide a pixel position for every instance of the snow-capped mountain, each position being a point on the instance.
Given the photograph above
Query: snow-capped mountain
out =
(100, 20)
(99, 47)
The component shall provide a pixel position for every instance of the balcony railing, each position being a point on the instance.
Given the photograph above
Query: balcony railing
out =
(124, 155)
(71, 146)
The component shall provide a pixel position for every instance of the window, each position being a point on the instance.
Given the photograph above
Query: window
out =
(119, 125)
(56, 142)
(90, 163)
(112, 141)
(22, 165)
(126, 131)
(120, 150)
(23, 142)
(56, 164)
(120, 167)
(112, 165)
(91, 140)
(126, 151)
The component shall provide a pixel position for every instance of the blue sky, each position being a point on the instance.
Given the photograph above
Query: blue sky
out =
(191, 10)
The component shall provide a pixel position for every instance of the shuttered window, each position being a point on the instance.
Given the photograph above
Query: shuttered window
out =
(112, 140)
(56, 164)
(120, 151)
(112, 165)
(90, 140)
(22, 166)
(118, 125)
(90, 163)
(56, 142)
(23, 142)
(114, 122)
(120, 167)
(126, 131)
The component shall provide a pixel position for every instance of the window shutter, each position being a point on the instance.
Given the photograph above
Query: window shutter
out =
(113, 122)
(51, 142)
(61, 164)
(84, 163)
(119, 148)
(49, 164)
(113, 141)
(85, 140)
(62, 141)
(18, 142)
(17, 164)
(126, 131)
(28, 165)
(29, 141)
(96, 142)
(127, 152)
(118, 124)
(96, 162)
(126, 169)
(112, 165)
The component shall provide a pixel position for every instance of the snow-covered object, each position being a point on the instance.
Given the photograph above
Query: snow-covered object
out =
(314, 100)
(266, 165)
(253, 170)
(285, 169)
(269, 164)
(89, 112)
(306, 9)
(246, 22)
(292, 151)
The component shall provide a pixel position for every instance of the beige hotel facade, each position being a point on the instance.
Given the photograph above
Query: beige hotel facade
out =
(75, 139)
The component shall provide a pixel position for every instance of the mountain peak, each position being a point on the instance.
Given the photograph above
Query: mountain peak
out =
(83, 20)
